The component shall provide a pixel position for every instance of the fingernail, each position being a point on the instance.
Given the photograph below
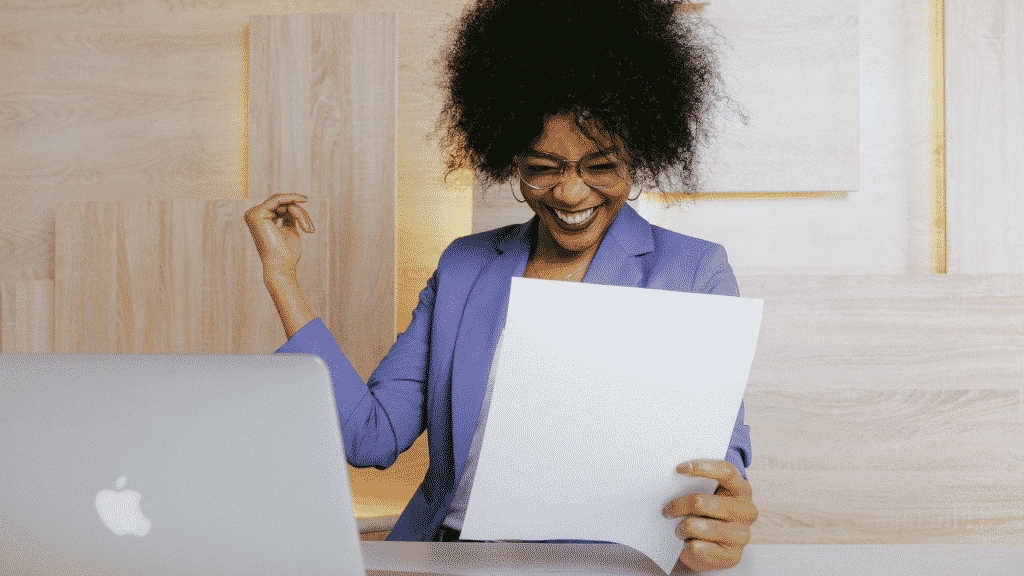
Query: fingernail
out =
(664, 511)
(685, 468)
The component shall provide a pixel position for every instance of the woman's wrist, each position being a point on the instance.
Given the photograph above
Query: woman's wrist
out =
(290, 301)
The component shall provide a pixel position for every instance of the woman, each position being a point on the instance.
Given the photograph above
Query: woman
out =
(578, 101)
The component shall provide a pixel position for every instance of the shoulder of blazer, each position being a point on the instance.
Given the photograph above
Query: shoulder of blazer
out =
(681, 262)
(668, 243)
(476, 250)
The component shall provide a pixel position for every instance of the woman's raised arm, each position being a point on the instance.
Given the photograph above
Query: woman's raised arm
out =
(280, 248)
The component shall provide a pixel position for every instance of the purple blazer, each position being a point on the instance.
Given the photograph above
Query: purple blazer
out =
(435, 375)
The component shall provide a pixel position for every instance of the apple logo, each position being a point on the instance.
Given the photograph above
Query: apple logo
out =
(120, 510)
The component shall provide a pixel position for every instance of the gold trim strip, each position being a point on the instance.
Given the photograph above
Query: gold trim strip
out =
(744, 195)
(938, 18)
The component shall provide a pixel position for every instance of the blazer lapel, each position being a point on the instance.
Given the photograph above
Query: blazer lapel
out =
(482, 323)
(616, 261)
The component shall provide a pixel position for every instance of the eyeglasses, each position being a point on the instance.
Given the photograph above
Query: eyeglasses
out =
(596, 170)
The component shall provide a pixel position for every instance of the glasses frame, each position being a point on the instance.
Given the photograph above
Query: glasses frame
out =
(561, 171)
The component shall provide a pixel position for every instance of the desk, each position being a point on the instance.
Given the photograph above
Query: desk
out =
(500, 559)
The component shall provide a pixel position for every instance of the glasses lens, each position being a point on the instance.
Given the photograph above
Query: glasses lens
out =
(601, 172)
(539, 172)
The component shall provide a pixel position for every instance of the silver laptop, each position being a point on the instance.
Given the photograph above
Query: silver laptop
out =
(172, 464)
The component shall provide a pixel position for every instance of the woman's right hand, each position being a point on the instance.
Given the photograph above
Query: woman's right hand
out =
(279, 246)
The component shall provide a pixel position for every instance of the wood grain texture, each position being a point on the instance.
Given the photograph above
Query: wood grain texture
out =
(322, 123)
(432, 210)
(171, 276)
(984, 96)
(147, 99)
(857, 466)
(889, 332)
(339, 109)
(26, 316)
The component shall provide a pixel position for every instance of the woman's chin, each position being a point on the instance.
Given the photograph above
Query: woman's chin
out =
(575, 242)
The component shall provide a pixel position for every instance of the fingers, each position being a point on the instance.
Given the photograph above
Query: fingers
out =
(301, 217)
(709, 530)
(714, 506)
(282, 206)
(730, 502)
(701, 555)
(716, 526)
(724, 471)
(275, 203)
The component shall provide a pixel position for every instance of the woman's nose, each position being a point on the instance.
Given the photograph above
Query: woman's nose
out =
(572, 189)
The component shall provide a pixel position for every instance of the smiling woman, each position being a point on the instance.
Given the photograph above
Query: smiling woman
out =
(575, 207)
(580, 101)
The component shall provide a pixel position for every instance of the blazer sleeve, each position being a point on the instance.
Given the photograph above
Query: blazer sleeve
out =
(714, 276)
(382, 418)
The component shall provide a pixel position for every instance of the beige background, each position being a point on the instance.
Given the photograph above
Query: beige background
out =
(886, 404)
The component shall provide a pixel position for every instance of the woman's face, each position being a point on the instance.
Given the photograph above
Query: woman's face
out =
(561, 233)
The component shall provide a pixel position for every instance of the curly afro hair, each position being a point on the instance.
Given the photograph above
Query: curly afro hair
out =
(638, 70)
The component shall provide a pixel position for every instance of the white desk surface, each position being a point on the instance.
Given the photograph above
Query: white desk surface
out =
(478, 559)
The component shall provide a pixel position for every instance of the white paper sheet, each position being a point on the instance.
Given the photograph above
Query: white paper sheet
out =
(600, 392)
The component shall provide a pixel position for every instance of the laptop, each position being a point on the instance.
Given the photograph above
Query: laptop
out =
(173, 464)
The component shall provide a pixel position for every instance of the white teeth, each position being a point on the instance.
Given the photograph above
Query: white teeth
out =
(574, 218)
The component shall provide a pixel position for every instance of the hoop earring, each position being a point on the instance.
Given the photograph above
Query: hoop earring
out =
(510, 185)
(640, 190)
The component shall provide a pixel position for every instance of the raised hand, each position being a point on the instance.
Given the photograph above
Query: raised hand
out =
(273, 227)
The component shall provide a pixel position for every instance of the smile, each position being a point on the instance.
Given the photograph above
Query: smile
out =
(575, 217)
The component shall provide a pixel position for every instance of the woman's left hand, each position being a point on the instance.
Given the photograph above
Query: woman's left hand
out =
(716, 526)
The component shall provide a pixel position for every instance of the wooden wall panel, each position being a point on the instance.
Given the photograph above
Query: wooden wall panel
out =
(144, 99)
(888, 409)
(935, 332)
(322, 122)
(102, 106)
(322, 100)
(985, 174)
(897, 466)
(26, 316)
(432, 210)
(171, 276)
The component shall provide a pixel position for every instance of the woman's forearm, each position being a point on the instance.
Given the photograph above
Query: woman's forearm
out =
(291, 303)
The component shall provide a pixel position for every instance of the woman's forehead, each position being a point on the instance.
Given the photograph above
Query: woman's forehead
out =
(561, 138)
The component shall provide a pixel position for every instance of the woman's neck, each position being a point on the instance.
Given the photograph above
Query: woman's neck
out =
(551, 261)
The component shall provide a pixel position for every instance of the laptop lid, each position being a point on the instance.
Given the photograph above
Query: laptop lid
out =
(172, 464)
